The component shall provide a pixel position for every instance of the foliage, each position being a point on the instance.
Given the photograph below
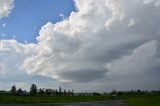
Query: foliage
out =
(13, 90)
(33, 89)
(42, 95)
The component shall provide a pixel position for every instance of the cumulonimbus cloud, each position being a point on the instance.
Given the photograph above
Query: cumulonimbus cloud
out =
(99, 35)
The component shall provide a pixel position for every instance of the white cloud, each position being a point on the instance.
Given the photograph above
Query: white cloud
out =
(78, 48)
(85, 47)
(140, 69)
(5, 7)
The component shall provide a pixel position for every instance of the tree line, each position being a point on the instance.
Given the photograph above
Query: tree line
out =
(135, 92)
(41, 91)
(63, 92)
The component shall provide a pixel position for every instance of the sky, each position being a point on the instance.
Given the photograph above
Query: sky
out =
(85, 45)
(35, 15)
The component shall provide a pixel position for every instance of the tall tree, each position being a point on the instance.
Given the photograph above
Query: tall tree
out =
(13, 90)
(56, 92)
(33, 89)
(69, 92)
(41, 92)
(20, 91)
(48, 91)
(72, 92)
(60, 90)
(53, 92)
(64, 93)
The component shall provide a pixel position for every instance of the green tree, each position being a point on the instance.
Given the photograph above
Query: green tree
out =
(60, 90)
(13, 90)
(48, 91)
(64, 93)
(20, 91)
(33, 89)
(72, 92)
(41, 92)
(69, 92)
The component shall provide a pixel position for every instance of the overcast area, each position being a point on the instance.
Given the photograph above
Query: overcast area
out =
(103, 45)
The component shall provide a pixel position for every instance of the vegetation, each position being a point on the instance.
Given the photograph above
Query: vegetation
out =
(42, 95)
(34, 91)
(140, 98)
(13, 89)
(49, 99)
(145, 100)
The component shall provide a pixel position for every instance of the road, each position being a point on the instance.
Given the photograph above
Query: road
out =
(108, 103)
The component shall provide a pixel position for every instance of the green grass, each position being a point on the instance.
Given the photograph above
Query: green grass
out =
(132, 100)
(6, 99)
(145, 100)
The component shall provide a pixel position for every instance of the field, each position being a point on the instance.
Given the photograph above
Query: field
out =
(49, 99)
(132, 100)
(147, 100)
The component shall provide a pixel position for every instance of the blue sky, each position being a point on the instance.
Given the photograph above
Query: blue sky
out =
(28, 16)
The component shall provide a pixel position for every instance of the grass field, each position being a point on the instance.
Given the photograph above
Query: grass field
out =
(132, 100)
(144, 100)
(50, 99)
